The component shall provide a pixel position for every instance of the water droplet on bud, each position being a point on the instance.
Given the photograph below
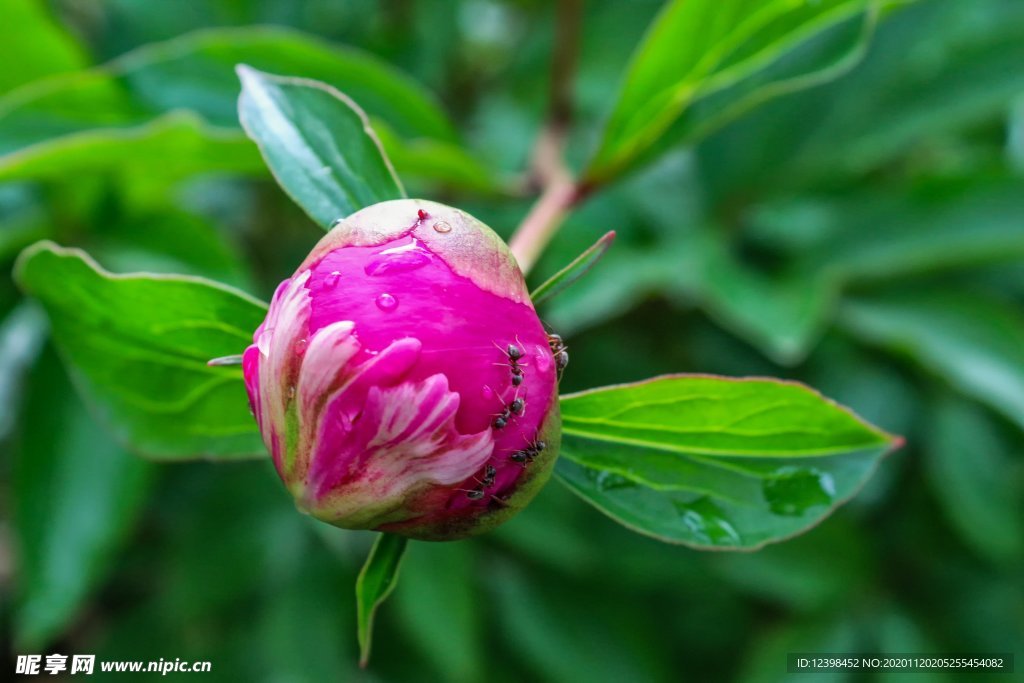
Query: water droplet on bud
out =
(331, 281)
(386, 302)
(398, 260)
(300, 346)
(441, 226)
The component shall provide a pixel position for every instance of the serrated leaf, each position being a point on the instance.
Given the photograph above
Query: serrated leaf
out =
(713, 462)
(318, 143)
(77, 494)
(576, 269)
(697, 49)
(137, 347)
(376, 581)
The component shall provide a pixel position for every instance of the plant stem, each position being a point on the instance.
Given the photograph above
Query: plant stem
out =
(549, 172)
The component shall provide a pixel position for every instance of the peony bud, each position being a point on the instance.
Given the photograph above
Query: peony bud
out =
(402, 380)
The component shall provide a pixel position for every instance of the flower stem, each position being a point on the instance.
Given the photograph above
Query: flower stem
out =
(559, 191)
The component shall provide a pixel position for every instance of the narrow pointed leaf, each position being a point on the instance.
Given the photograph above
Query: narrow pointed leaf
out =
(574, 271)
(712, 462)
(318, 143)
(726, 57)
(137, 348)
(375, 583)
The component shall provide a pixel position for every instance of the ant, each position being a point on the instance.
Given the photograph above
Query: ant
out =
(529, 453)
(490, 472)
(517, 407)
(514, 353)
(560, 351)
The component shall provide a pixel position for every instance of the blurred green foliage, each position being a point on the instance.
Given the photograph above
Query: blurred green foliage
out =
(865, 236)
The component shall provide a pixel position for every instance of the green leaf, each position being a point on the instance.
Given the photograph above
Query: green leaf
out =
(163, 150)
(184, 93)
(318, 143)
(137, 347)
(375, 583)
(712, 462)
(973, 341)
(34, 42)
(697, 49)
(890, 103)
(976, 479)
(576, 269)
(77, 494)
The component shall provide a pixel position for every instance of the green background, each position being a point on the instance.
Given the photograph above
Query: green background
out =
(865, 236)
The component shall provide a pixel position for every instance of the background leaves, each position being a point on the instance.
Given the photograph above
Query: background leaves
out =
(895, 183)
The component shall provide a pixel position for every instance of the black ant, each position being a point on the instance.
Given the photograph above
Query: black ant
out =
(560, 352)
(516, 407)
(514, 353)
(529, 453)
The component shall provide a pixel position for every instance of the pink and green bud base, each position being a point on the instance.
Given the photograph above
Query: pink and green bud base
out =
(402, 380)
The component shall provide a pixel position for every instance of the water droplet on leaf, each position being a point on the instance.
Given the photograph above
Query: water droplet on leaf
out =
(706, 522)
(792, 491)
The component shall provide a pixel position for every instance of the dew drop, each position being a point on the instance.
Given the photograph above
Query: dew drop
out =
(605, 480)
(706, 522)
(331, 281)
(386, 302)
(441, 226)
(398, 260)
(792, 491)
(300, 346)
(543, 358)
(487, 393)
(337, 222)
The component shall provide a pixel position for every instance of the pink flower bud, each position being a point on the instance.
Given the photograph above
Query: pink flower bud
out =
(402, 380)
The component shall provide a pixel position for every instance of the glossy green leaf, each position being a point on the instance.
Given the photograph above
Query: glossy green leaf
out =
(77, 494)
(318, 143)
(34, 42)
(977, 480)
(375, 583)
(137, 347)
(697, 49)
(974, 342)
(712, 462)
(576, 269)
